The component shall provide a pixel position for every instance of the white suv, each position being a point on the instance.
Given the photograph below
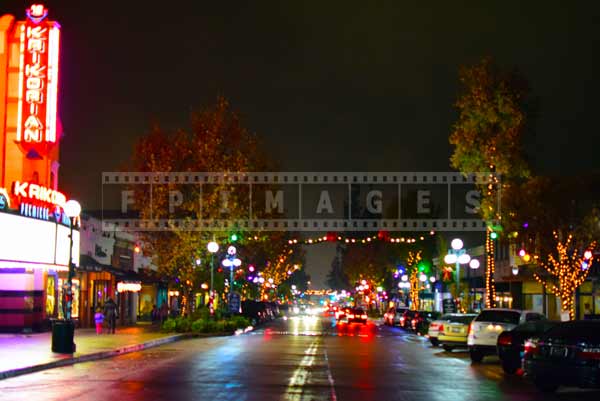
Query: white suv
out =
(487, 326)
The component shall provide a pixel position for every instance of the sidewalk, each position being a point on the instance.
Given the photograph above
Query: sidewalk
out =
(27, 353)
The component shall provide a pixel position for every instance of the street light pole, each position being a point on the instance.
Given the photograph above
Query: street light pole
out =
(213, 247)
(231, 261)
(63, 331)
(459, 256)
(72, 209)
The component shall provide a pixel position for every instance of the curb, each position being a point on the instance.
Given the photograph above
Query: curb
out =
(91, 357)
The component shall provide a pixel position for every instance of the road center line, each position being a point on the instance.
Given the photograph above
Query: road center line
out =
(329, 375)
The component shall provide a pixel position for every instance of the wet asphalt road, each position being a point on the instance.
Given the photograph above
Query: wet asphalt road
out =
(299, 359)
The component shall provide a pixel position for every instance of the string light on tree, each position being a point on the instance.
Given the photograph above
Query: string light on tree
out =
(566, 270)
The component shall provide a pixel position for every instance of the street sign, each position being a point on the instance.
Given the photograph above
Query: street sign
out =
(234, 303)
(449, 305)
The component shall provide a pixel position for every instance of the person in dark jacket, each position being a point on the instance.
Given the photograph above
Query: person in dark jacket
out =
(110, 312)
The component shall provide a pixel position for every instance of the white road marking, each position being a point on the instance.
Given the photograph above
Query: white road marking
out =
(330, 377)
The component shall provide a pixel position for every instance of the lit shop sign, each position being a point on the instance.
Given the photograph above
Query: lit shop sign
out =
(131, 287)
(38, 82)
(37, 201)
(35, 192)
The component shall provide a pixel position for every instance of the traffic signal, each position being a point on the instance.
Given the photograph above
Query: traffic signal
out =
(233, 237)
(493, 235)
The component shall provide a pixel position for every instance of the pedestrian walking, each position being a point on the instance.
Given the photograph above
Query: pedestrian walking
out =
(99, 319)
(154, 314)
(110, 310)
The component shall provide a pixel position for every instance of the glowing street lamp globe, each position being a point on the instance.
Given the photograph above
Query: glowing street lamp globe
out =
(464, 259)
(456, 244)
(450, 259)
(72, 208)
(474, 264)
(231, 250)
(212, 247)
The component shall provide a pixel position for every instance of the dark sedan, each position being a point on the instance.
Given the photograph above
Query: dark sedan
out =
(406, 319)
(357, 315)
(566, 355)
(511, 343)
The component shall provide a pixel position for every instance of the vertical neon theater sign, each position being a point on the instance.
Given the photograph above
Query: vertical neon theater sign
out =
(38, 83)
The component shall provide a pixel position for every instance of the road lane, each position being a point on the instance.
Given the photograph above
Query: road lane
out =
(297, 359)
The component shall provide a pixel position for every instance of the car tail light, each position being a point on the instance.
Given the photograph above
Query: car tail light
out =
(531, 347)
(440, 327)
(363, 316)
(590, 353)
(434, 326)
(505, 339)
(470, 329)
(350, 316)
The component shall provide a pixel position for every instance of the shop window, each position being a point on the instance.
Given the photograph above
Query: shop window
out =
(75, 304)
(586, 306)
(504, 300)
(51, 296)
(101, 292)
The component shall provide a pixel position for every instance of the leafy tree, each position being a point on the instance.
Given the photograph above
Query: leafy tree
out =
(215, 142)
(495, 112)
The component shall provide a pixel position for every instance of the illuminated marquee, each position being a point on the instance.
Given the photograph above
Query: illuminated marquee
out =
(131, 287)
(35, 192)
(38, 82)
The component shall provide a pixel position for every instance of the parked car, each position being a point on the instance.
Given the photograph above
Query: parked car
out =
(566, 355)
(434, 327)
(511, 343)
(453, 334)
(406, 319)
(357, 315)
(487, 326)
(393, 315)
(420, 322)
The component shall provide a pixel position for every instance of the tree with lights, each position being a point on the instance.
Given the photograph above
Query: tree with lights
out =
(412, 268)
(217, 141)
(566, 270)
(494, 115)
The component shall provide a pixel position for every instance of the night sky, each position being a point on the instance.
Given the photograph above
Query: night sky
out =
(328, 85)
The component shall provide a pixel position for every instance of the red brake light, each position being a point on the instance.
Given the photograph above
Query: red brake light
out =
(590, 353)
(470, 329)
(505, 339)
(531, 347)
(441, 327)
(350, 316)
